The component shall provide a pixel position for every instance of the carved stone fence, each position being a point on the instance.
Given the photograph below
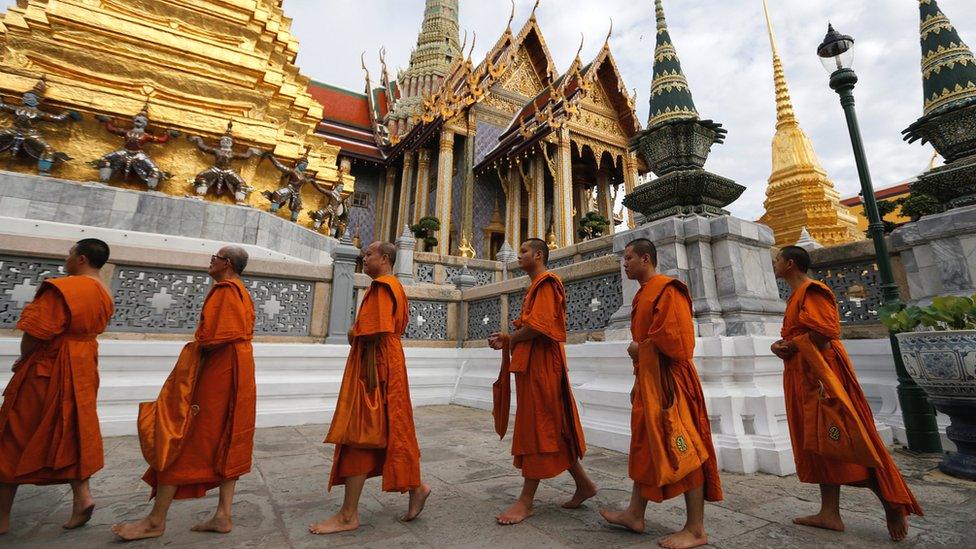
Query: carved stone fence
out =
(438, 269)
(570, 255)
(159, 292)
(852, 273)
(433, 313)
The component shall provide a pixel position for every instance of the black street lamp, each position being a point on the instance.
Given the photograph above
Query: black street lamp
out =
(837, 55)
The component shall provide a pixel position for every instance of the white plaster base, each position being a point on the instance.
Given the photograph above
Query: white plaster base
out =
(298, 384)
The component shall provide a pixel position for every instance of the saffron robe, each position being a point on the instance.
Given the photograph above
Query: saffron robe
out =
(49, 430)
(548, 437)
(381, 322)
(662, 314)
(213, 437)
(813, 308)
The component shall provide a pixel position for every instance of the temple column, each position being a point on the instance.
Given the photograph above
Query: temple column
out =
(423, 189)
(562, 209)
(604, 201)
(406, 185)
(536, 185)
(630, 181)
(467, 201)
(386, 210)
(513, 208)
(445, 182)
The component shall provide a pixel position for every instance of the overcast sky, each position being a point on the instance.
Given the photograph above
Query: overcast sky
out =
(724, 51)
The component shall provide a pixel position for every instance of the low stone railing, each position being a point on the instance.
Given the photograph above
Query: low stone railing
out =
(430, 268)
(576, 253)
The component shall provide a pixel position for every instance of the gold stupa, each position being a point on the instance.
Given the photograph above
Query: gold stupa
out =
(198, 64)
(799, 193)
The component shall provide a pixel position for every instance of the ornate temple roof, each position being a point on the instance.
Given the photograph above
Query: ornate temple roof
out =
(948, 66)
(670, 95)
(348, 122)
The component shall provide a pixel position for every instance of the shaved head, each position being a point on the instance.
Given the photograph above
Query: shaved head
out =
(799, 256)
(237, 256)
(539, 245)
(642, 247)
(387, 250)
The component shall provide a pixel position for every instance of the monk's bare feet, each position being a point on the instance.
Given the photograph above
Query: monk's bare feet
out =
(143, 529)
(582, 494)
(418, 498)
(897, 524)
(821, 520)
(79, 517)
(217, 525)
(684, 539)
(624, 519)
(515, 514)
(335, 524)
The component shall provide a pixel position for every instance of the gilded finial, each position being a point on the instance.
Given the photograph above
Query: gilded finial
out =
(609, 34)
(508, 28)
(784, 103)
(662, 23)
(474, 40)
(580, 50)
(465, 42)
(535, 7)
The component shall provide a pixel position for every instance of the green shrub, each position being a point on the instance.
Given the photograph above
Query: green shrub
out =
(945, 313)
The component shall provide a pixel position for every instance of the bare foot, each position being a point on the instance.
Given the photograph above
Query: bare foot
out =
(821, 520)
(684, 539)
(897, 525)
(515, 514)
(79, 518)
(143, 529)
(624, 519)
(218, 525)
(582, 494)
(418, 498)
(335, 524)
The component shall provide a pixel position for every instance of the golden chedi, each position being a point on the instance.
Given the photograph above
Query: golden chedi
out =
(799, 193)
(195, 66)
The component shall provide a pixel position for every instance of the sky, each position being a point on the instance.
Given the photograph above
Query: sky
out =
(724, 51)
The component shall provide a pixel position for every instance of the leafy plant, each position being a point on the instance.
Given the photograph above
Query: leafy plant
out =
(593, 225)
(425, 230)
(886, 207)
(918, 205)
(945, 313)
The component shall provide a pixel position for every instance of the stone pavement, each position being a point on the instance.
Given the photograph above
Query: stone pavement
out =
(472, 478)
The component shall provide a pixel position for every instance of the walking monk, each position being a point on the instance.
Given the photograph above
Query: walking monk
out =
(548, 437)
(199, 433)
(671, 450)
(835, 441)
(48, 424)
(372, 427)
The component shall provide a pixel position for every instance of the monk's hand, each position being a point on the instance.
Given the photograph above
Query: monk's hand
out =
(783, 349)
(498, 340)
(633, 350)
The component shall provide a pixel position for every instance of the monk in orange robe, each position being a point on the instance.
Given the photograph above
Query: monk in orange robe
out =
(199, 433)
(817, 366)
(548, 437)
(48, 423)
(664, 338)
(372, 428)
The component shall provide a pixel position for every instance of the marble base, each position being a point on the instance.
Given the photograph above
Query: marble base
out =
(47, 199)
(939, 254)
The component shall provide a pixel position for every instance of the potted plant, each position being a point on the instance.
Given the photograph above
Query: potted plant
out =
(593, 225)
(938, 347)
(425, 230)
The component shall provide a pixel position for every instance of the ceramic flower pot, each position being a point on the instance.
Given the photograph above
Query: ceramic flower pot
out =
(943, 364)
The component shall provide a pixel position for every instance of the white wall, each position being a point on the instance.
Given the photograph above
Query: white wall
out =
(298, 384)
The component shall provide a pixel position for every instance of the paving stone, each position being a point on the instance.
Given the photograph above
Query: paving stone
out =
(472, 479)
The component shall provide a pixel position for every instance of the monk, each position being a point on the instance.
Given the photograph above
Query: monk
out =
(816, 365)
(548, 437)
(199, 433)
(372, 428)
(48, 423)
(661, 323)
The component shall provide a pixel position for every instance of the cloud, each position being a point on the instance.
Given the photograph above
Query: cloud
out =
(724, 51)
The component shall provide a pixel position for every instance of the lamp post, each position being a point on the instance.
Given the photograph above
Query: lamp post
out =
(837, 55)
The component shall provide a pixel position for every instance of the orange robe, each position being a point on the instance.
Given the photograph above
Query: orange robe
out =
(49, 430)
(384, 314)
(548, 437)
(217, 439)
(813, 307)
(662, 313)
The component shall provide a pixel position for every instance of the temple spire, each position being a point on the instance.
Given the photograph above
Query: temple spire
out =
(948, 65)
(437, 44)
(784, 103)
(670, 95)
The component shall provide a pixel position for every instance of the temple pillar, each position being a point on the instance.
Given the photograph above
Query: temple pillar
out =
(630, 181)
(513, 208)
(536, 185)
(406, 186)
(467, 201)
(604, 200)
(386, 209)
(423, 188)
(445, 182)
(562, 210)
